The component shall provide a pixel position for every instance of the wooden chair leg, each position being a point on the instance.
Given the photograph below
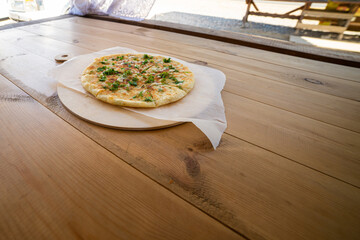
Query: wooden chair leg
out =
(253, 3)
(353, 10)
(245, 18)
(305, 7)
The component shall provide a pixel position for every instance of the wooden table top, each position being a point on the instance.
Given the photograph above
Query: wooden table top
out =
(287, 167)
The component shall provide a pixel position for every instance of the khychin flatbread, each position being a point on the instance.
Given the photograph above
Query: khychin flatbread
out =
(137, 80)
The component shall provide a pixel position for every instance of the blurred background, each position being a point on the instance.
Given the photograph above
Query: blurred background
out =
(221, 15)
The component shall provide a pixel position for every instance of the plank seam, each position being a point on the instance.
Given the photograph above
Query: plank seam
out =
(278, 154)
(243, 41)
(215, 50)
(21, 24)
(300, 114)
(142, 173)
(48, 24)
(217, 66)
(252, 99)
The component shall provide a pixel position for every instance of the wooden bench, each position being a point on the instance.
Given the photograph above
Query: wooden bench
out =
(307, 13)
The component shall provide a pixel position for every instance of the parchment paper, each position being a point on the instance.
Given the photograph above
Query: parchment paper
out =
(203, 106)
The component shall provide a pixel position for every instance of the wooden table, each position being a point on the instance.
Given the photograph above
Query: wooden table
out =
(288, 165)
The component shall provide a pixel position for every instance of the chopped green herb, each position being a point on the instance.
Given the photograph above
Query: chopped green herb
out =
(148, 99)
(105, 87)
(160, 90)
(135, 79)
(102, 78)
(176, 70)
(171, 67)
(103, 62)
(133, 83)
(164, 74)
(139, 95)
(175, 80)
(144, 71)
(144, 62)
(151, 61)
(135, 58)
(114, 86)
(113, 63)
(110, 71)
(163, 81)
(101, 68)
(119, 58)
(105, 59)
(167, 60)
(147, 56)
(127, 89)
(91, 72)
(180, 87)
(122, 85)
(136, 66)
(150, 79)
(127, 73)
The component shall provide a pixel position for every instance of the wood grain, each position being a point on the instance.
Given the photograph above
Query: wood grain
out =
(331, 150)
(326, 84)
(253, 190)
(341, 112)
(303, 64)
(225, 182)
(327, 15)
(57, 183)
(334, 110)
(253, 41)
(325, 144)
(336, 29)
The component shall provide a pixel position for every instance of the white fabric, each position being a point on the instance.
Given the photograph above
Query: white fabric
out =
(127, 9)
(203, 106)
